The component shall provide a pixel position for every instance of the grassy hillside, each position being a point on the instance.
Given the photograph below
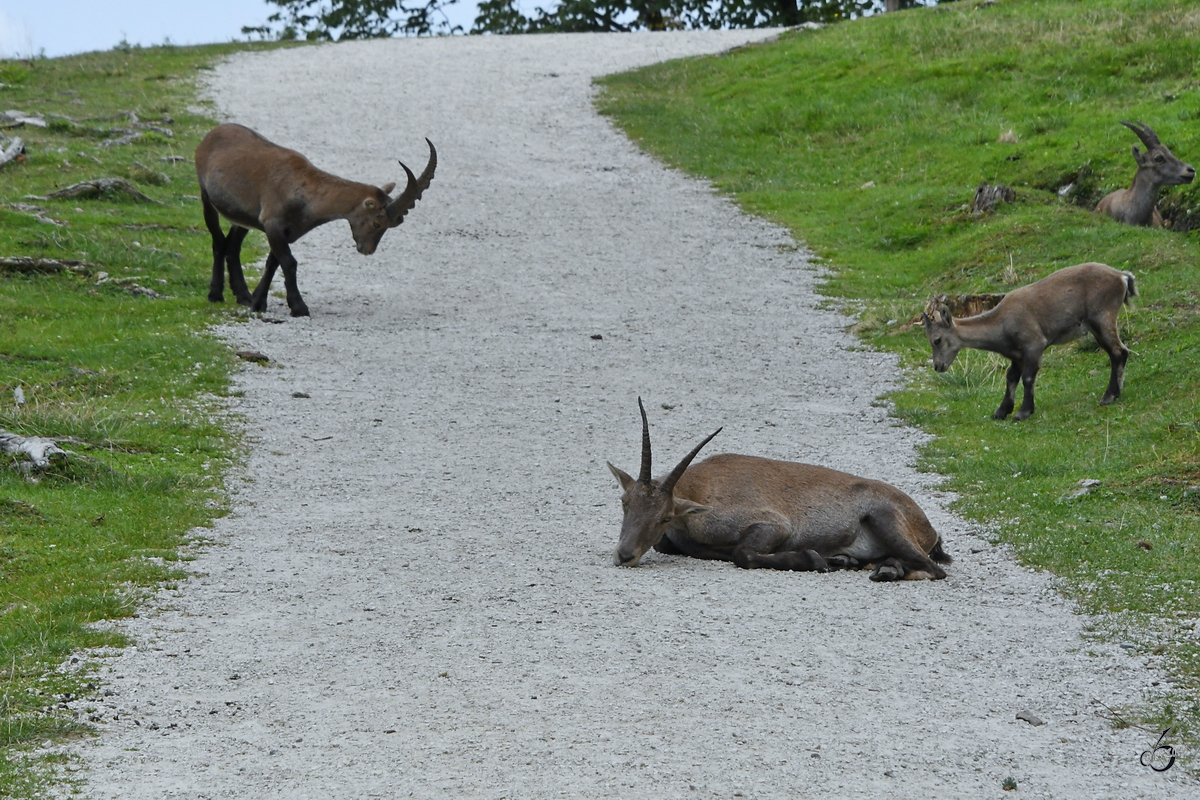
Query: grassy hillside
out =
(868, 140)
(129, 378)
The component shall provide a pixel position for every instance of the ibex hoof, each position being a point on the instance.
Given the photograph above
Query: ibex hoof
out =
(302, 311)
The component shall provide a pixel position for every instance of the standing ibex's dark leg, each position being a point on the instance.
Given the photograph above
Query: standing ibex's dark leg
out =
(233, 260)
(1029, 371)
(1106, 336)
(258, 300)
(287, 262)
(1011, 379)
(216, 288)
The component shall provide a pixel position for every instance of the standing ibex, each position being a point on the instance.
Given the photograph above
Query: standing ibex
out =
(1060, 307)
(254, 183)
(1158, 167)
(761, 513)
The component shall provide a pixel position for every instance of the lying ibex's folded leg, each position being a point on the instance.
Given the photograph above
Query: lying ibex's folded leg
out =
(796, 560)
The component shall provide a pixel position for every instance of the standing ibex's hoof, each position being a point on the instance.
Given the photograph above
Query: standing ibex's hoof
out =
(217, 297)
(1108, 400)
(1021, 415)
(300, 311)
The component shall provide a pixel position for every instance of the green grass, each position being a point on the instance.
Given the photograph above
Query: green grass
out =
(868, 140)
(133, 380)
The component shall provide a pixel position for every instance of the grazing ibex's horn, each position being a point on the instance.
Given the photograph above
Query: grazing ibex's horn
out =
(1143, 131)
(644, 475)
(668, 483)
(412, 192)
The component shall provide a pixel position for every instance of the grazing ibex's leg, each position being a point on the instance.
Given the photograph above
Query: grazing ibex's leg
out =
(258, 300)
(1106, 336)
(1011, 379)
(1029, 370)
(287, 262)
(233, 260)
(216, 288)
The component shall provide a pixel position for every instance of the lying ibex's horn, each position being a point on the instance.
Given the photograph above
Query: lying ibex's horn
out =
(669, 482)
(412, 192)
(644, 475)
(1143, 131)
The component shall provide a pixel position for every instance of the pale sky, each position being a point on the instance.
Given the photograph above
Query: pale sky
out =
(63, 27)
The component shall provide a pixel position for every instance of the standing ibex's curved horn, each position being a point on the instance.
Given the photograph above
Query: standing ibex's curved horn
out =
(412, 192)
(668, 483)
(1143, 131)
(644, 475)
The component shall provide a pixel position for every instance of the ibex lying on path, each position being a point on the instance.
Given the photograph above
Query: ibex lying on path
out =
(1158, 167)
(761, 513)
(254, 183)
(1065, 305)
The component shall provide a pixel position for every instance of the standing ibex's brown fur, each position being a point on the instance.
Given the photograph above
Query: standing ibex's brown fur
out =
(762, 513)
(254, 183)
(1157, 167)
(1065, 305)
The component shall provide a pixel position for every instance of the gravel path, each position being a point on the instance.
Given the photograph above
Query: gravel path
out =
(414, 595)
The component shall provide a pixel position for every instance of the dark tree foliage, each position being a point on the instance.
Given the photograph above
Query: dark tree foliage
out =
(334, 20)
(364, 19)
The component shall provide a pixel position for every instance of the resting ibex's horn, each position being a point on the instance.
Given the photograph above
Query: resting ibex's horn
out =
(412, 192)
(644, 475)
(668, 483)
(1143, 131)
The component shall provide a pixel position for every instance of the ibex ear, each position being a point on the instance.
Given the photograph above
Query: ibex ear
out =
(1137, 154)
(686, 507)
(625, 480)
(387, 187)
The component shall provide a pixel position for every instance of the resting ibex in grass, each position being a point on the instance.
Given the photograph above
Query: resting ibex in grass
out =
(761, 513)
(1157, 167)
(1070, 303)
(254, 183)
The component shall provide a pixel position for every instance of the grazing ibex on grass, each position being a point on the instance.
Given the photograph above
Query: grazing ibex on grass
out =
(1157, 167)
(1065, 305)
(254, 183)
(766, 514)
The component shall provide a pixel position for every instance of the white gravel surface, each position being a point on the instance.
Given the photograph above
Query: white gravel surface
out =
(414, 595)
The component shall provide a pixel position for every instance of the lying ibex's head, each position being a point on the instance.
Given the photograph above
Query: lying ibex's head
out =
(378, 212)
(943, 338)
(1166, 169)
(650, 507)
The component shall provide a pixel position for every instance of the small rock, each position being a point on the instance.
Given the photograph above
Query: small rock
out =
(1030, 717)
(253, 355)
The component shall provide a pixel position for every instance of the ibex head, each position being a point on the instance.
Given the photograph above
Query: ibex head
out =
(943, 338)
(1160, 162)
(649, 507)
(378, 212)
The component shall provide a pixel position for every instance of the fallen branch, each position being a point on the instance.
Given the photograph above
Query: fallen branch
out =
(87, 269)
(42, 453)
(96, 188)
(27, 265)
(14, 151)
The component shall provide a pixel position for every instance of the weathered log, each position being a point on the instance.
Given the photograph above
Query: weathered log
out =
(987, 196)
(13, 151)
(40, 452)
(31, 265)
(95, 188)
